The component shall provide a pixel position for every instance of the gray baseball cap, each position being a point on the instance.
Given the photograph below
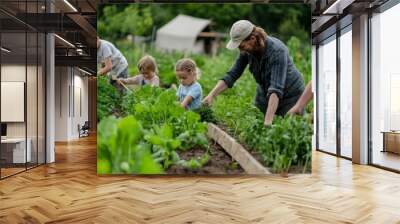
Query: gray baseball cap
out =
(239, 31)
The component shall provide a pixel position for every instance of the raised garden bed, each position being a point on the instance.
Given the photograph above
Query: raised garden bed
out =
(237, 151)
(220, 162)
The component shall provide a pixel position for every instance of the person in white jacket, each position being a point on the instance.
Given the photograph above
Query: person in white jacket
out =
(112, 62)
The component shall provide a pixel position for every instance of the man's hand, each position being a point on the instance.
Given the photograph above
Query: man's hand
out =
(302, 102)
(221, 86)
(208, 100)
(295, 110)
(267, 122)
(173, 86)
(271, 109)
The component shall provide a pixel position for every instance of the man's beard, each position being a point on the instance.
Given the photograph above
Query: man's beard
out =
(256, 50)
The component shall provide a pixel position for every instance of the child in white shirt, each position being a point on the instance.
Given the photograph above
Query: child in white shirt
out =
(148, 73)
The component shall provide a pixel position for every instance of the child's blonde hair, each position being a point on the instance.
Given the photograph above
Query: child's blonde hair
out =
(147, 62)
(188, 65)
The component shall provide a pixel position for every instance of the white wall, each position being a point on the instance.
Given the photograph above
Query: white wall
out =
(12, 73)
(61, 103)
(71, 94)
(80, 105)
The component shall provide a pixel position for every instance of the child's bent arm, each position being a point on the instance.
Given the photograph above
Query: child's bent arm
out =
(186, 101)
(157, 81)
(133, 80)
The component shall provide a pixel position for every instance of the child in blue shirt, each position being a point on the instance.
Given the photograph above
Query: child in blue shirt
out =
(189, 92)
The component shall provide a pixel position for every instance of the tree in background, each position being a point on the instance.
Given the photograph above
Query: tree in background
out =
(281, 20)
(223, 15)
(117, 21)
(284, 20)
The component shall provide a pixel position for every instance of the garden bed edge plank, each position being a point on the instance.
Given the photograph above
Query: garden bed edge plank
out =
(236, 150)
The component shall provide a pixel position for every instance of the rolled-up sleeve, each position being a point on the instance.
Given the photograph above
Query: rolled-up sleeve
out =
(278, 74)
(236, 70)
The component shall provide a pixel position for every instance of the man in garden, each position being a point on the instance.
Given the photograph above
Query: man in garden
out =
(112, 61)
(305, 98)
(279, 83)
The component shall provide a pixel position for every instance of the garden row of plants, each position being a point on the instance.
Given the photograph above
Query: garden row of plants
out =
(148, 134)
(162, 128)
(285, 146)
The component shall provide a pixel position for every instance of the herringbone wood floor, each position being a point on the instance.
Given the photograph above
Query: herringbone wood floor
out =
(69, 191)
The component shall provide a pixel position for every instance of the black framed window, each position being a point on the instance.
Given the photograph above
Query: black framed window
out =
(334, 92)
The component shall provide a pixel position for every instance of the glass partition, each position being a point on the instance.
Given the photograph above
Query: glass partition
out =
(22, 87)
(13, 147)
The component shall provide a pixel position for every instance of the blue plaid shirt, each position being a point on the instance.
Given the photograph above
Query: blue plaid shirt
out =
(274, 73)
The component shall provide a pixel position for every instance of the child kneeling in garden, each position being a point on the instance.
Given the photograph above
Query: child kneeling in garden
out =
(147, 73)
(189, 92)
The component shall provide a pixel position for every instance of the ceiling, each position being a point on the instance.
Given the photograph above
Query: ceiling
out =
(72, 20)
(75, 22)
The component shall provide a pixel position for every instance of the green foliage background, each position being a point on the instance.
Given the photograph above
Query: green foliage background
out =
(280, 20)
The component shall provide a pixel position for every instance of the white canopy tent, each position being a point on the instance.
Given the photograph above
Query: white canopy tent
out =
(181, 34)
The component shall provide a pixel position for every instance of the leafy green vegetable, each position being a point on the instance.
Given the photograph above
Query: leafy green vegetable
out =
(108, 98)
(120, 150)
(206, 114)
(195, 163)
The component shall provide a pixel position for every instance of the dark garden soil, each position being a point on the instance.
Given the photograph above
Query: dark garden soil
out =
(220, 162)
